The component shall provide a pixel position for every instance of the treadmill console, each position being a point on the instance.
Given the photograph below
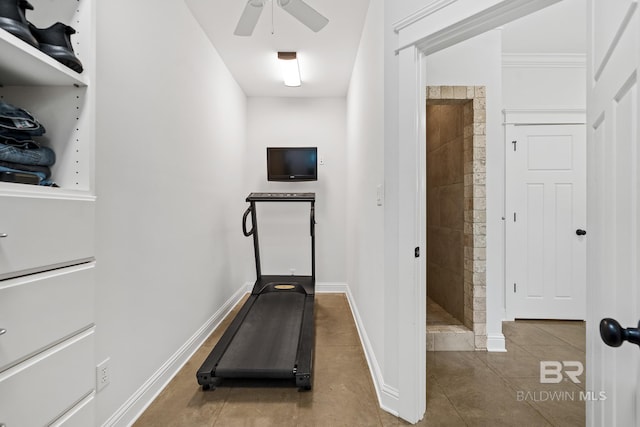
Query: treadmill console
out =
(281, 197)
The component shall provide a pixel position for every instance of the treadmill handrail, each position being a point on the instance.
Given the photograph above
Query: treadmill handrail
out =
(244, 223)
(312, 220)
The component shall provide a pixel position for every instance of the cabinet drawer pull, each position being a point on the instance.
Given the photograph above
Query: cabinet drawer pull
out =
(2, 332)
(2, 236)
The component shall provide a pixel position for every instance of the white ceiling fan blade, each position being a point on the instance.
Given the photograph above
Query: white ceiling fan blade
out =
(249, 18)
(304, 13)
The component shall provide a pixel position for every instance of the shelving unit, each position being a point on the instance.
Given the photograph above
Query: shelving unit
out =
(47, 283)
(30, 67)
(61, 99)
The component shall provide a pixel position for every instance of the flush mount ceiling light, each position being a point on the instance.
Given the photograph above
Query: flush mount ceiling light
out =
(296, 8)
(290, 68)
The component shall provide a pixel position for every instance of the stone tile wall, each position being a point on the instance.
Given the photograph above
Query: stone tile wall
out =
(472, 103)
(445, 201)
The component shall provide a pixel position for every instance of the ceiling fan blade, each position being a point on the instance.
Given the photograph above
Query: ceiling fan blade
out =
(304, 13)
(249, 18)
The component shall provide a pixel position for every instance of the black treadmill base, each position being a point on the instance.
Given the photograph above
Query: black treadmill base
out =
(252, 383)
(271, 340)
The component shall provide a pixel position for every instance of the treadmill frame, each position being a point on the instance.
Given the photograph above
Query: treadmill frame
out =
(302, 371)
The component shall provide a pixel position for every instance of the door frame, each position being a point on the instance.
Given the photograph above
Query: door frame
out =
(533, 116)
(418, 35)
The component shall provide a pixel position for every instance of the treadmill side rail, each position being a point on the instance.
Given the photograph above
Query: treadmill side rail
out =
(206, 373)
(306, 347)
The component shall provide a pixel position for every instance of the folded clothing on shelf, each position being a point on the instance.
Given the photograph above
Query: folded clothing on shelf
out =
(44, 172)
(22, 159)
(18, 124)
(40, 177)
(40, 156)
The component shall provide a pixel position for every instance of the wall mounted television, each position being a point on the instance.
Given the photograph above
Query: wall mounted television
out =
(292, 163)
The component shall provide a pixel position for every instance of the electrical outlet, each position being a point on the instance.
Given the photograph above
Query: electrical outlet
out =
(292, 271)
(103, 374)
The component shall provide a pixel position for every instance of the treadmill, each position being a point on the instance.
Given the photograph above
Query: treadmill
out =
(272, 336)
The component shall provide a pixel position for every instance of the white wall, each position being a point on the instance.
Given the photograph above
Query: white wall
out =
(543, 81)
(560, 28)
(170, 141)
(315, 122)
(365, 172)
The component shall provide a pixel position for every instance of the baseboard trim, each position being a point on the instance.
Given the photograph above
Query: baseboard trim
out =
(145, 395)
(496, 343)
(331, 288)
(388, 397)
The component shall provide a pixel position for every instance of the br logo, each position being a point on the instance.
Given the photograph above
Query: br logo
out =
(552, 371)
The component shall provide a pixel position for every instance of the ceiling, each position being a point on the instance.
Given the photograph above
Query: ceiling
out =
(326, 58)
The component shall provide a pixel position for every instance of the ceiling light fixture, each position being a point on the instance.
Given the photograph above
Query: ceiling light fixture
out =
(290, 68)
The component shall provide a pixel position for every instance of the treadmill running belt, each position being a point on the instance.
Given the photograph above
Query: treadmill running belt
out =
(266, 343)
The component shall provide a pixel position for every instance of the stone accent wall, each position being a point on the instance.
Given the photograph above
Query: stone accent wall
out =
(473, 102)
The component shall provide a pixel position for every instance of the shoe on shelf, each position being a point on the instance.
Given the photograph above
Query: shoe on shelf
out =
(13, 19)
(55, 41)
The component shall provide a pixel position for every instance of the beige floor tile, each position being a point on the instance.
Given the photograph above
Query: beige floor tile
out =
(562, 404)
(440, 410)
(570, 332)
(490, 402)
(452, 363)
(335, 328)
(183, 404)
(528, 333)
(516, 362)
(463, 388)
(339, 404)
(259, 407)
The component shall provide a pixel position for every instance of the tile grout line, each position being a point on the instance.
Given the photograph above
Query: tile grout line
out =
(455, 408)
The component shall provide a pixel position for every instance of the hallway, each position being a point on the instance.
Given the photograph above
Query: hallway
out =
(463, 388)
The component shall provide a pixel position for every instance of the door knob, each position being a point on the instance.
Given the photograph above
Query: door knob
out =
(580, 232)
(614, 335)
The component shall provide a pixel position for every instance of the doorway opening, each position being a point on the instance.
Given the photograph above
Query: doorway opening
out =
(456, 218)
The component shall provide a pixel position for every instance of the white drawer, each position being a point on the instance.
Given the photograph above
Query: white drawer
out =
(81, 415)
(41, 233)
(38, 311)
(44, 388)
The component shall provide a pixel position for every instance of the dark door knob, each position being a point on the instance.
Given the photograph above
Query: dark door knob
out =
(580, 232)
(614, 335)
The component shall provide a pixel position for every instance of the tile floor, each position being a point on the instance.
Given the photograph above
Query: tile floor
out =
(463, 388)
(445, 332)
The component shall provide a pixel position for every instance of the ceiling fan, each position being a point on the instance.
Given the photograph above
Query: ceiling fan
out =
(296, 8)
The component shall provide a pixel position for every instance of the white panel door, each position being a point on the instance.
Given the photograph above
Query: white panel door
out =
(613, 208)
(546, 216)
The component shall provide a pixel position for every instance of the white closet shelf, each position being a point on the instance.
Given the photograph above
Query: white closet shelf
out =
(37, 191)
(31, 67)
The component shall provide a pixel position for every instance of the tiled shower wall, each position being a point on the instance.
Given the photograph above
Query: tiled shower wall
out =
(445, 203)
(456, 204)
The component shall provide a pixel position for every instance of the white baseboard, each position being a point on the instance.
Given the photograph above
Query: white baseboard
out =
(331, 288)
(388, 397)
(496, 342)
(144, 396)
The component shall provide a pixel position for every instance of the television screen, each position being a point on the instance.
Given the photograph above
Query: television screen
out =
(292, 163)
